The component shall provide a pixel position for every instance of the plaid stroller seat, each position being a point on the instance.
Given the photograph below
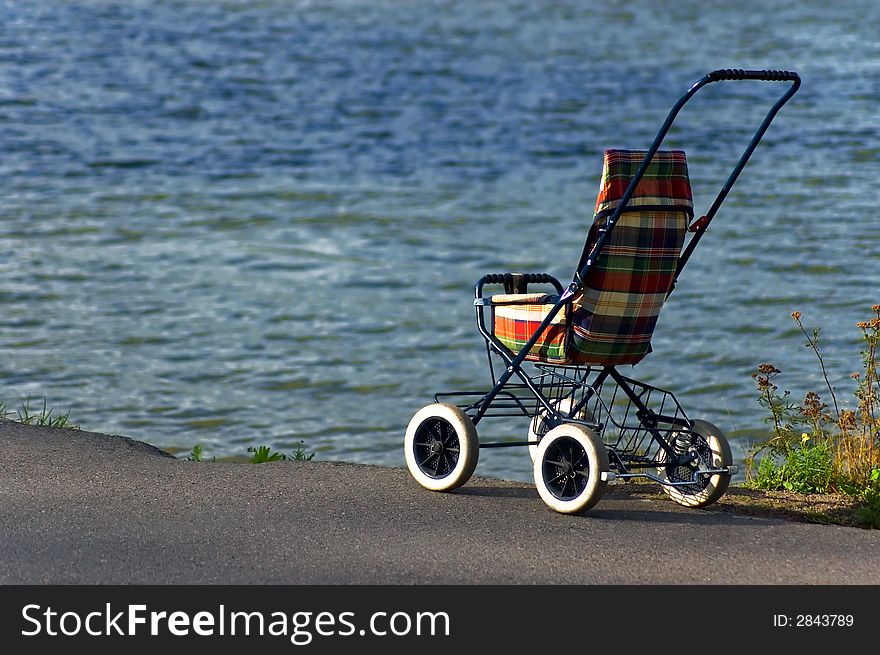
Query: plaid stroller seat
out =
(611, 320)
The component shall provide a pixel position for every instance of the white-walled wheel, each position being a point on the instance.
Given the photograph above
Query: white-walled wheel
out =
(571, 468)
(441, 447)
(713, 451)
(539, 426)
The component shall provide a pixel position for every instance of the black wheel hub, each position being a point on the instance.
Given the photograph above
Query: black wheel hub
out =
(436, 447)
(701, 453)
(566, 468)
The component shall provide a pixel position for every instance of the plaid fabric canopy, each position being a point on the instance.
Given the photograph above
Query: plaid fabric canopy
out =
(613, 318)
(665, 182)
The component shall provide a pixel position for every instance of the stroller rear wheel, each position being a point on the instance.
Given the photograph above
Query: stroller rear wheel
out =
(441, 447)
(713, 451)
(571, 468)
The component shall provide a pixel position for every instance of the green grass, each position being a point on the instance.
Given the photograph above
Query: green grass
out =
(45, 416)
(260, 454)
(869, 512)
(42, 416)
(806, 469)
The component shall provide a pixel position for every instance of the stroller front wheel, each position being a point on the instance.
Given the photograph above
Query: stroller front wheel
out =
(441, 447)
(570, 468)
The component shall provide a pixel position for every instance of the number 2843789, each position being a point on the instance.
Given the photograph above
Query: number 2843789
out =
(813, 621)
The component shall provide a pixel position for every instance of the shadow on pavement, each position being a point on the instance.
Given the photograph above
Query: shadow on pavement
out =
(626, 509)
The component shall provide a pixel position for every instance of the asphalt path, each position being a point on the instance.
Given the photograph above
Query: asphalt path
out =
(78, 507)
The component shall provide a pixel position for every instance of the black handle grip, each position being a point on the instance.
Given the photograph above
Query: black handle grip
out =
(494, 278)
(517, 282)
(531, 278)
(764, 75)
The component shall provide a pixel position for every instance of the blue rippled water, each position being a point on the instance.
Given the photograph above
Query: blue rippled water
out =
(240, 223)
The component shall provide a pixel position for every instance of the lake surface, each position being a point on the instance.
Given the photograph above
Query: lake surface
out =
(248, 223)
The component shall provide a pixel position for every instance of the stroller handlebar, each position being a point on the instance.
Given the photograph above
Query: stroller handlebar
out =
(501, 278)
(516, 282)
(715, 76)
(764, 75)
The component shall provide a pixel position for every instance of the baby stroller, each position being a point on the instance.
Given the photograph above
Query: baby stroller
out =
(559, 352)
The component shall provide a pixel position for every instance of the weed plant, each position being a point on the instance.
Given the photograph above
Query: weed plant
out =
(817, 448)
(261, 454)
(197, 454)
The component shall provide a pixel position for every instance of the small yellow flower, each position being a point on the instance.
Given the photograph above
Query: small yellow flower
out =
(796, 316)
(804, 438)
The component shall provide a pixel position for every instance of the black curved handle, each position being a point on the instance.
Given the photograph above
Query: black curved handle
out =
(764, 75)
(517, 282)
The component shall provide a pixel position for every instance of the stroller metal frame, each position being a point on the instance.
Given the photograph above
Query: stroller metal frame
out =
(636, 427)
